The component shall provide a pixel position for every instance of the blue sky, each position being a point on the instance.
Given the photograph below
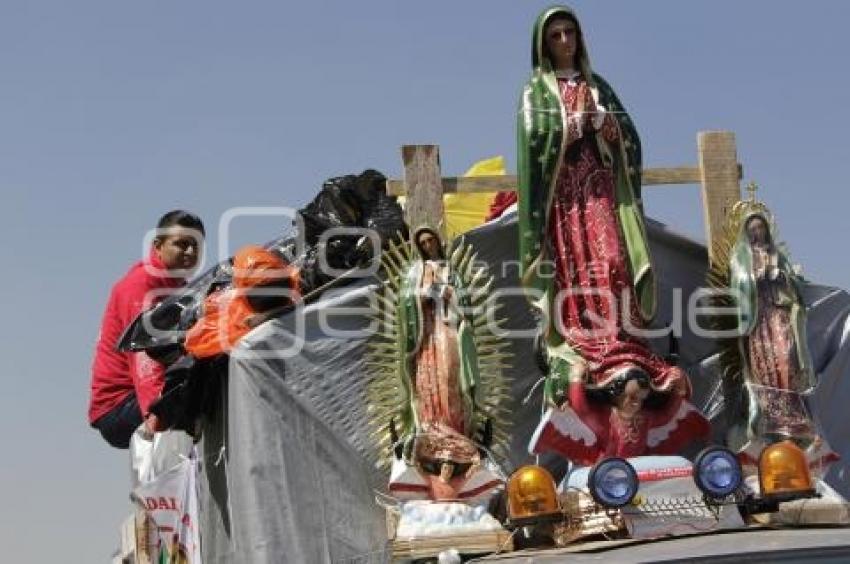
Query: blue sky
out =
(113, 112)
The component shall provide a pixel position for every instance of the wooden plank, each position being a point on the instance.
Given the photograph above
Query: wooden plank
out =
(423, 186)
(395, 187)
(507, 183)
(469, 543)
(718, 160)
(675, 175)
(455, 184)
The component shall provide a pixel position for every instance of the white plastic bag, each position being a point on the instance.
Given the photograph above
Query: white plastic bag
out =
(170, 503)
(151, 457)
(142, 455)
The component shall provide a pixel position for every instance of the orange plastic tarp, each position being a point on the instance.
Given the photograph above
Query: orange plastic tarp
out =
(227, 313)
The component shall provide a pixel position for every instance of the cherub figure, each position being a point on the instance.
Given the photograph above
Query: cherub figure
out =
(625, 416)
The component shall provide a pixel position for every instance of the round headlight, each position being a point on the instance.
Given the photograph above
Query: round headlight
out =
(612, 482)
(717, 472)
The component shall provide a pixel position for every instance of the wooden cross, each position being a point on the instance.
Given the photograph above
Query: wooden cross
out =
(718, 172)
(752, 187)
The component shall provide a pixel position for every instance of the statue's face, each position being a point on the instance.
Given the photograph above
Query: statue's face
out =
(757, 231)
(429, 244)
(630, 402)
(561, 38)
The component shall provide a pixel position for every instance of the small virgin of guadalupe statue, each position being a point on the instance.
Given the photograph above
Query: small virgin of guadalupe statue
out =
(767, 368)
(436, 384)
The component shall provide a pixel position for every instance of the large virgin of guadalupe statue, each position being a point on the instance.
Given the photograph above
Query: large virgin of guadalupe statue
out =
(767, 367)
(436, 373)
(585, 256)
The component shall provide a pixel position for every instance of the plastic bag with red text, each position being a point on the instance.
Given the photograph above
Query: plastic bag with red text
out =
(170, 503)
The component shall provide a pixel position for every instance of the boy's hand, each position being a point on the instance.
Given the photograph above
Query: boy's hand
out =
(152, 425)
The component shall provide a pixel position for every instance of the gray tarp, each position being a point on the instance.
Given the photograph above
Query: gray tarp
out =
(296, 482)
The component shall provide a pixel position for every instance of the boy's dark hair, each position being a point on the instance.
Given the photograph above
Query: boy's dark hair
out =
(181, 218)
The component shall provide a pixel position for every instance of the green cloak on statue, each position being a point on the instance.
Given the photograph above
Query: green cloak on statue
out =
(542, 150)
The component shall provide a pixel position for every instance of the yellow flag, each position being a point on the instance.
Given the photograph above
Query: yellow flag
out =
(467, 211)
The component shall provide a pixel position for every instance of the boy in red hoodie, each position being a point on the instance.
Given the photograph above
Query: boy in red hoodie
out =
(123, 385)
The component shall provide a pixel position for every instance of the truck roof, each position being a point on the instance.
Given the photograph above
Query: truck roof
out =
(754, 544)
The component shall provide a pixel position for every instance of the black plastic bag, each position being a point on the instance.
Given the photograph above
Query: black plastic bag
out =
(344, 201)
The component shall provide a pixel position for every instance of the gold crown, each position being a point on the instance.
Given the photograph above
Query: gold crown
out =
(749, 206)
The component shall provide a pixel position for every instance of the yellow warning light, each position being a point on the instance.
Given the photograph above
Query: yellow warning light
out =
(532, 496)
(784, 472)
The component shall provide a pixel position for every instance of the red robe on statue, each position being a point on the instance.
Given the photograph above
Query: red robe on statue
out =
(596, 310)
(598, 306)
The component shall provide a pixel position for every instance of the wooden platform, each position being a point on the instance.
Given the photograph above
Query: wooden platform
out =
(479, 543)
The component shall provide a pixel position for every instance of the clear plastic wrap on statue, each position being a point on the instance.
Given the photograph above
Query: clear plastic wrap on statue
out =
(580, 216)
(587, 269)
(436, 390)
(766, 366)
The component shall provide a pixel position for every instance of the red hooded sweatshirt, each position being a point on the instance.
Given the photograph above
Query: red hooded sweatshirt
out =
(115, 374)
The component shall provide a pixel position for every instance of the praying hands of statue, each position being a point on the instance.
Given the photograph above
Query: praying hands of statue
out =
(595, 115)
(769, 263)
(451, 313)
(580, 120)
(594, 118)
(774, 273)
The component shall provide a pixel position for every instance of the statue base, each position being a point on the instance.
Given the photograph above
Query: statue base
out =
(424, 529)
(829, 508)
